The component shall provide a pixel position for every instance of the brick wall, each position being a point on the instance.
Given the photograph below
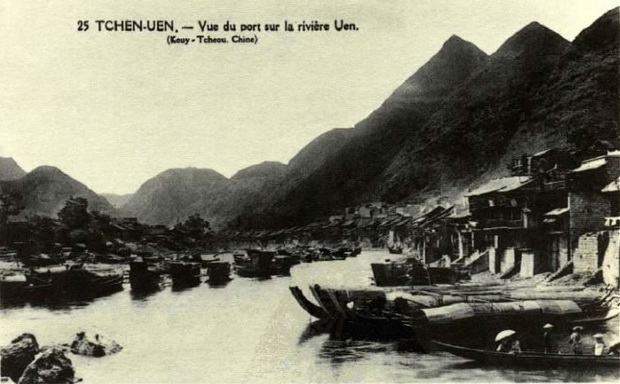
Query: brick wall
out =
(507, 259)
(585, 258)
(588, 210)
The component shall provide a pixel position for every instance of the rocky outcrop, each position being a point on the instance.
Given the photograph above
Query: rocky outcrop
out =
(51, 367)
(17, 356)
(81, 345)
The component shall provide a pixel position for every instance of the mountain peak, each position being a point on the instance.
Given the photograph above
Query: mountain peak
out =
(47, 171)
(451, 65)
(533, 40)
(10, 170)
(191, 172)
(45, 190)
(602, 34)
(454, 39)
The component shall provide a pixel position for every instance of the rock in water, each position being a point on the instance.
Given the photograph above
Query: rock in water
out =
(17, 356)
(51, 367)
(81, 345)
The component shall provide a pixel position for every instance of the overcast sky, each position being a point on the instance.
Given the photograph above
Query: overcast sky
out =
(113, 110)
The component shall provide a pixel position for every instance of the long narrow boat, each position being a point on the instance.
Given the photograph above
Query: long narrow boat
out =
(307, 305)
(530, 359)
(324, 300)
(72, 280)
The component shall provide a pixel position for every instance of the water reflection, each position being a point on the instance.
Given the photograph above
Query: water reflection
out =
(143, 296)
(521, 374)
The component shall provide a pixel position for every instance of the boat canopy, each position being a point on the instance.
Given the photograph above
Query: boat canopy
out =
(461, 311)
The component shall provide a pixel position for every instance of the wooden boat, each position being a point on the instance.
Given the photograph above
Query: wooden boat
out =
(410, 271)
(13, 286)
(405, 271)
(255, 263)
(218, 272)
(284, 263)
(325, 301)
(308, 306)
(72, 281)
(530, 359)
(185, 273)
(144, 277)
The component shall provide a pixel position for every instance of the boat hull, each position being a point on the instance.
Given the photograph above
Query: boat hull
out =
(530, 359)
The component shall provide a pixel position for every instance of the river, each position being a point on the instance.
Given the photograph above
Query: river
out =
(247, 331)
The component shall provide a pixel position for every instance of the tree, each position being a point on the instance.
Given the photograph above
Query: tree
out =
(44, 229)
(74, 215)
(195, 226)
(10, 205)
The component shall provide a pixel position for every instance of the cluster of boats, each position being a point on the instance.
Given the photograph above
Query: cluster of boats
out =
(463, 318)
(264, 263)
(148, 275)
(86, 281)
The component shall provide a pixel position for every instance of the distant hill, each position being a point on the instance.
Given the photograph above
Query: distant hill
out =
(45, 190)
(167, 197)
(10, 170)
(116, 200)
(175, 194)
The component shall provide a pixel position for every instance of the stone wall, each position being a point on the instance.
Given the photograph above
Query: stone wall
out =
(528, 264)
(611, 261)
(585, 257)
(588, 210)
(508, 259)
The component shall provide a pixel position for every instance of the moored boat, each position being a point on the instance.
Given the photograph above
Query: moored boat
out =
(308, 306)
(255, 263)
(410, 271)
(12, 286)
(530, 359)
(72, 280)
(284, 263)
(185, 273)
(218, 272)
(144, 277)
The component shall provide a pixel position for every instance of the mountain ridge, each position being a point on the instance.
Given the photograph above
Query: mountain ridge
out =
(10, 170)
(45, 189)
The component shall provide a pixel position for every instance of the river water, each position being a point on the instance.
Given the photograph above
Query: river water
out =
(247, 331)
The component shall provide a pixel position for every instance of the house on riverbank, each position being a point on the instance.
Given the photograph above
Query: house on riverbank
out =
(550, 213)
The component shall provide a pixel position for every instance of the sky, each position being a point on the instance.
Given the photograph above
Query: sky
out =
(114, 109)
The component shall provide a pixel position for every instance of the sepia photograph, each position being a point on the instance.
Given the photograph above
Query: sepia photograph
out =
(302, 191)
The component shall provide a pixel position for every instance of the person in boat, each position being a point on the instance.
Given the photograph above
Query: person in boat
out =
(509, 345)
(599, 344)
(548, 339)
(575, 340)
